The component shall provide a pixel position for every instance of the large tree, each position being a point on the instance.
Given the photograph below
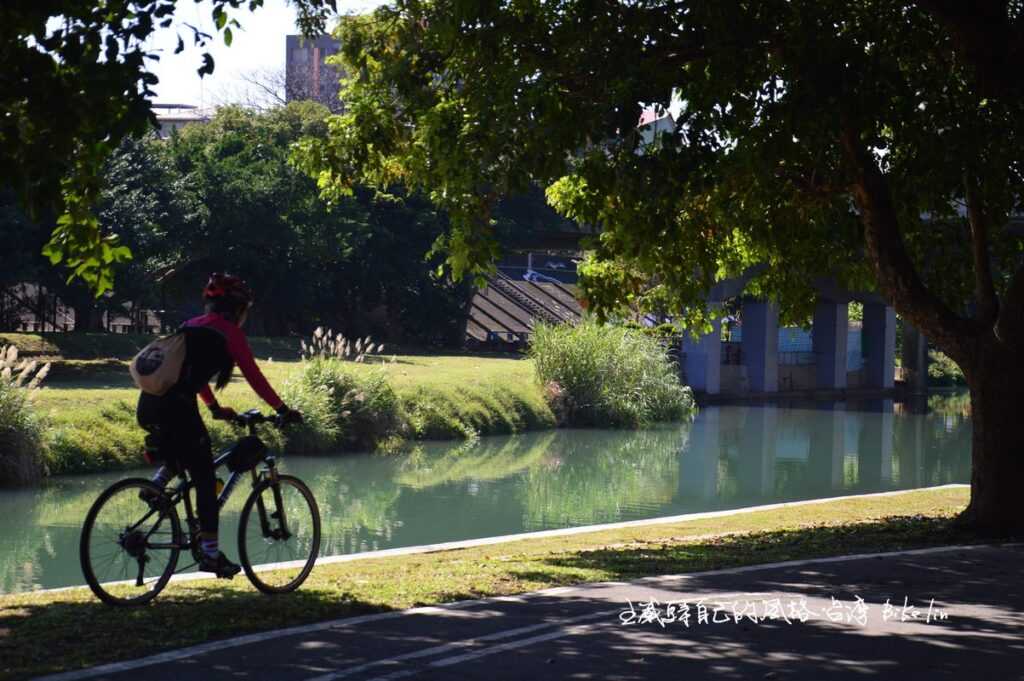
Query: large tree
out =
(231, 201)
(75, 82)
(852, 139)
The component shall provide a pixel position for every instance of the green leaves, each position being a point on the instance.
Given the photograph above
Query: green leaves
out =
(77, 243)
(466, 101)
(73, 94)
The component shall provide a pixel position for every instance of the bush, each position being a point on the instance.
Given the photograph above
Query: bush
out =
(944, 372)
(22, 452)
(663, 331)
(597, 375)
(342, 409)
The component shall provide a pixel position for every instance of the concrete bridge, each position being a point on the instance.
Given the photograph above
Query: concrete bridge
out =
(702, 357)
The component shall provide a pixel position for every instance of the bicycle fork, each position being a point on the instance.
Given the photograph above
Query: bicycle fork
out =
(280, 532)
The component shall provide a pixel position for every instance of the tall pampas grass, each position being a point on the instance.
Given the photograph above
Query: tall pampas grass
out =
(326, 344)
(21, 443)
(598, 375)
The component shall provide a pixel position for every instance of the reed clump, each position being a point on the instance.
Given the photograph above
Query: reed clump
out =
(604, 375)
(22, 449)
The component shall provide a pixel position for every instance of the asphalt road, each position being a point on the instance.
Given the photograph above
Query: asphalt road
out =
(969, 624)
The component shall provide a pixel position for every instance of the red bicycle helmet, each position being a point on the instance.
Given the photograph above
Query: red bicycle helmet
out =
(223, 285)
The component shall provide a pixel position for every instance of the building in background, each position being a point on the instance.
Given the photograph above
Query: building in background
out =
(308, 76)
(171, 117)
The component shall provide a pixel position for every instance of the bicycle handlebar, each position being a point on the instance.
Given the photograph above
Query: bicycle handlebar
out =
(254, 417)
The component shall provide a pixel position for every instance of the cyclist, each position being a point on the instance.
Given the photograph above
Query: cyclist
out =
(215, 344)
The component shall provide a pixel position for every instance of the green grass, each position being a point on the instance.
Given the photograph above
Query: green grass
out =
(88, 406)
(50, 632)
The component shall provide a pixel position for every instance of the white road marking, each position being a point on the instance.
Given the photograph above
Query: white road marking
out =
(512, 645)
(261, 637)
(458, 645)
(500, 648)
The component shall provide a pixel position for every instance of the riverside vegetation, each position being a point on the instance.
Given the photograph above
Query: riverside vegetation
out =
(21, 437)
(355, 398)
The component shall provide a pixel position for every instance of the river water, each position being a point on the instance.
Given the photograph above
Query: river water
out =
(728, 457)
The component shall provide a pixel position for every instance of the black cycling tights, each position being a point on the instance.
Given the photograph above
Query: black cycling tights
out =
(183, 440)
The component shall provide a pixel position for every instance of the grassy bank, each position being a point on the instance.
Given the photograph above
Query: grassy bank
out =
(49, 632)
(90, 414)
(586, 375)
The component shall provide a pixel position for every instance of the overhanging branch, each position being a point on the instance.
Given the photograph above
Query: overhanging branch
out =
(897, 275)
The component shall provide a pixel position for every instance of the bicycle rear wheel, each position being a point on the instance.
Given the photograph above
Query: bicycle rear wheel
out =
(280, 526)
(129, 549)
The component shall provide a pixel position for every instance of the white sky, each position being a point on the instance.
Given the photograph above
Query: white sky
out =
(258, 45)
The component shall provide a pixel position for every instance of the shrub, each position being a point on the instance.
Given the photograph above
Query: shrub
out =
(22, 452)
(342, 409)
(599, 375)
(943, 372)
(664, 331)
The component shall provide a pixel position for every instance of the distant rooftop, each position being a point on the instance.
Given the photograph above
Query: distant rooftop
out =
(158, 105)
(179, 112)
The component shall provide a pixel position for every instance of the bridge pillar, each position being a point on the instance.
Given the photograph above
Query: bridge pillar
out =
(915, 359)
(831, 326)
(761, 345)
(704, 360)
(880, 343)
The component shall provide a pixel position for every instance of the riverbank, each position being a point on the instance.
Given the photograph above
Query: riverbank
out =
(89, 412)
(381, 402)
(38, 627)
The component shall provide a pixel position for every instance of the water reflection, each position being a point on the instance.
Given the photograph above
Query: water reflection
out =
(730, 456)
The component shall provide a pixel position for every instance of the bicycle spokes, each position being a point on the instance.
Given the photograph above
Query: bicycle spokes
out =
(129, 547)
(279, 527)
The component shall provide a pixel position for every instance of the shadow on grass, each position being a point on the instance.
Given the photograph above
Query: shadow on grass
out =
(79, 631)
(655, 558)
(51, 632)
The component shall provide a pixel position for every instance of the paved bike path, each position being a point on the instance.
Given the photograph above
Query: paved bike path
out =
(970, 624)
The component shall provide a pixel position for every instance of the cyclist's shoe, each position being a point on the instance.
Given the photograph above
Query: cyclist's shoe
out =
(158, 501)
(219, 565)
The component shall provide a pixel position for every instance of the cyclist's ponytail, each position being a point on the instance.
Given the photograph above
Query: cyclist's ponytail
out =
(224, 375)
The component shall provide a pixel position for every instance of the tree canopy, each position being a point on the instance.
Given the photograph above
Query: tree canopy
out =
(875, 142)
(75, 82)
(223, 196)
(781, 107)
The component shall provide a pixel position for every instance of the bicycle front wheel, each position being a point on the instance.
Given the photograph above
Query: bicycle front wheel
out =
(130, 543)
(279, 534)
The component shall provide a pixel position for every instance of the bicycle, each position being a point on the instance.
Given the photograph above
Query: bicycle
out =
(132, 536)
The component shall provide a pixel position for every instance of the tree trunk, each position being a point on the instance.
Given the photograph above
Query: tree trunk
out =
(997, 453)
(87, 317)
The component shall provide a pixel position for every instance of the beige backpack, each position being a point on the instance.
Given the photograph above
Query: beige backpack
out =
(158, 366)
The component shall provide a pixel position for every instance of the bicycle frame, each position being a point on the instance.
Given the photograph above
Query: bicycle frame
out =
(181, 495)
(162, 510)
